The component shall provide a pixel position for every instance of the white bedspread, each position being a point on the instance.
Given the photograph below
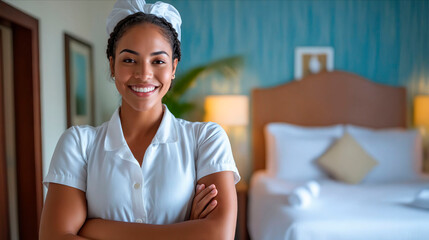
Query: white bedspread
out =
(342, 211)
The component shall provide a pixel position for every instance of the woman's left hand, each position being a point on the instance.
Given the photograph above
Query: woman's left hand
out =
(203, 203)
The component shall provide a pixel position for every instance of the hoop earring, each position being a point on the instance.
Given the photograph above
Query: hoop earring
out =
(174, 76)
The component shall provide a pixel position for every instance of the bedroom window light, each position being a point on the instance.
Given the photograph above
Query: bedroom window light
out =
(421, 121)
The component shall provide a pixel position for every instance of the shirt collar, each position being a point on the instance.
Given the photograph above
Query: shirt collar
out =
(166, 132)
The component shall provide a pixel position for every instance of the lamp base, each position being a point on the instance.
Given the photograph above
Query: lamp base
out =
(426, 162)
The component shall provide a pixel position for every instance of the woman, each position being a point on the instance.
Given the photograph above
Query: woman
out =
(135, 176)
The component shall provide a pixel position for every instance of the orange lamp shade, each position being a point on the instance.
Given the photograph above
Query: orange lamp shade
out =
(421, 111)
(227, 110)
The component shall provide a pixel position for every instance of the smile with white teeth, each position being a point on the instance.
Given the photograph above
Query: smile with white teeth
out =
(145, 90)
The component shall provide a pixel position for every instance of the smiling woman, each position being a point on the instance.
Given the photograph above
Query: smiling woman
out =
(143, 62)
(144, 172)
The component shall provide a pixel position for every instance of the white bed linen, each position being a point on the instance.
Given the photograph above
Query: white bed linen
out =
(342, 211)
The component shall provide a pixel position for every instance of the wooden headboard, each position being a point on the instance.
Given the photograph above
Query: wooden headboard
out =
(325, 99)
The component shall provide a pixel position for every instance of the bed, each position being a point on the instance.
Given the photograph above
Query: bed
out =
(379, 205)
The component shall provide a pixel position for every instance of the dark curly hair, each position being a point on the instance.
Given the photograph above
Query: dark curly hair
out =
(167, 30)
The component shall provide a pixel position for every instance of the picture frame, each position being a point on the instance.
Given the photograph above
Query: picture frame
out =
(311, 60)
(79, 81)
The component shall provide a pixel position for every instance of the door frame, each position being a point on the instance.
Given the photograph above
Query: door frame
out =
(4, 196)
(25, 34)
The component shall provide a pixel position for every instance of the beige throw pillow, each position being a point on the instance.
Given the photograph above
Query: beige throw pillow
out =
(346, 160)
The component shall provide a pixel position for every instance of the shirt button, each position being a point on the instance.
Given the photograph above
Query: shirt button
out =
(137, 186)
(139, 220)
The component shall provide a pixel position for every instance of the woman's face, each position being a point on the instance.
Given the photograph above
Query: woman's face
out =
(143, 67)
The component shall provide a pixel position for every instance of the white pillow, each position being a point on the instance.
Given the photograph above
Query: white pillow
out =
(292, 151)
(397, 151)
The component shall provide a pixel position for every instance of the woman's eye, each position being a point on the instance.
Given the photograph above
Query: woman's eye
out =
(158, 62)
(129, 60)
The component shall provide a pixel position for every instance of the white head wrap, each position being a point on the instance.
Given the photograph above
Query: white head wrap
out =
(123, 8)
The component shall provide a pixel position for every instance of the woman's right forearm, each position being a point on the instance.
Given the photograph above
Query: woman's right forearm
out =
(60, 236)
(73, 237)
(53, 233)
(112, 230)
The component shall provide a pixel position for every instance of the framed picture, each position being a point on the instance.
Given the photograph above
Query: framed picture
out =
(79, 81)
(312, 60)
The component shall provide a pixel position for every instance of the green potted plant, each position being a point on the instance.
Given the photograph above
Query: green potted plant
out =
(228, 67)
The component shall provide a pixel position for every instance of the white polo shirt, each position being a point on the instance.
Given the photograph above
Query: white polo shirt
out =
(99, 162)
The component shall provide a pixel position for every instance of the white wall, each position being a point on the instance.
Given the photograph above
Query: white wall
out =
(83, 19)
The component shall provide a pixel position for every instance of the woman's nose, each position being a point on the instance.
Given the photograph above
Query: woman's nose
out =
(143, 71)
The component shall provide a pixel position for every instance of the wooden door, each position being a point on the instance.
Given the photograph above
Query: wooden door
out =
(4, 204)
(27, 126)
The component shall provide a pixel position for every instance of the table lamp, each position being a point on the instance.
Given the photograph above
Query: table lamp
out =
(421, 121)
(227, 110)
(232, 113)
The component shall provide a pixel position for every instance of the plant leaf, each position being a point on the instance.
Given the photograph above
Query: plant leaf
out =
(228, 67)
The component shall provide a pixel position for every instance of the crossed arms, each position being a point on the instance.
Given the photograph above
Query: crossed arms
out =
(65, 211)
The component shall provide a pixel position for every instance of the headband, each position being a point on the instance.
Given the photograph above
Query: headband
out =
(124, 8)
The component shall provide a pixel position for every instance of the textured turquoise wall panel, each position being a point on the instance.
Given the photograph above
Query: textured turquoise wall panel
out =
(384, 41)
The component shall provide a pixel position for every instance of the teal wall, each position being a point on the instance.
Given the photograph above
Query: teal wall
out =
(384, 41)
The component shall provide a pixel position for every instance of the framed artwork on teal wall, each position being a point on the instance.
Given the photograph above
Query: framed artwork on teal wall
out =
(79, 81)
(312, 60)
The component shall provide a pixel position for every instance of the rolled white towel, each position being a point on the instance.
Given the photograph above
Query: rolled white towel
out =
(314, 188)
(422, 199)
(300, 197)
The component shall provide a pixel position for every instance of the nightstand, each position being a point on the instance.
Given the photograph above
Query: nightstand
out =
(241, 232)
